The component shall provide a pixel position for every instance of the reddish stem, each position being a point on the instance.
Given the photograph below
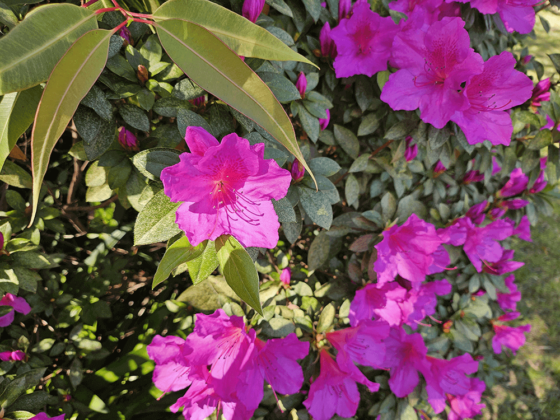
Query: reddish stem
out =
(140, 15)
(107, 9)
(116, 29)
(147, 22)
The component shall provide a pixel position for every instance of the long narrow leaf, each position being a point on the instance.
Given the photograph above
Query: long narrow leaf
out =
(179, 252)
(70, 81)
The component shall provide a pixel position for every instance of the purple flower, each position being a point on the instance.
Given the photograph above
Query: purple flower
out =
(125, 34)
(516, 184)
(200, 101)
(1, 241)
(517, 15)
(504, 265)
(286, 276)
(473, 176)
(226, 189)
(523, 229)
(407, 250)
(526, 60)
(328, 47)
(324, 122)
(421, 304)
(497, 213)
(344, 9)
(172, 366)
(252, 9)
(301, 84)
(379, 302)
(12, 356)
(550, 124)
(411, 151)
(467, 406)
(511, 337)
(406, 7)
(541, 92)
(448, 377)
(540, 182)
(508, 301)
(495, 166)
(433, 64)
(515, 204)
(363, 42)
(127, 139)
(275, 361)
(297, 170)
(476, 212)
(18, 303)
(44, 416)
(439, 168)
(499, 87)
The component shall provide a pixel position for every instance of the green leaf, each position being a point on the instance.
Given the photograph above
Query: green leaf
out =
(209, 295)
(555, 58)
(238, 33)
(135, 117)
(218, 70)
(239, 270)
(151, 162)
(284, 90)
(7, 17)
(69, 83)
(179, 252)
(347, 140)
(33, 48)
(369, 124)
(324, 166)
(317, 206)
(204, 265)
(156, 222)
(15, 176)
(352, 190)
(19, 385)
(318, 251)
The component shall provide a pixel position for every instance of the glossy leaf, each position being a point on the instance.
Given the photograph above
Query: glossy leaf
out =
(70, 81)
(217, 69)
(205, 264)
(239, 270)
(156, 221)
(32, 49)
(179, 252)
(238, 33)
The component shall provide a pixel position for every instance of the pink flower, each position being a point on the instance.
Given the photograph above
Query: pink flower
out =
(226, 188)
(473, 176)
(406, 356)
(379, 302)
(510, 337)
(504, 265)
(172, 366)
(550, 124)
(496, 213)
(12, 356)
(297, 170)
(523, 229)
(526, 60)
(1, 241)
(467, 406)
(449, 377)
(200, 101)
(509, 300)
(125, 34)
(495, 166)
(18, 303)
(328, 47)
(439, 168)
(516, 184)
(333, 392)
(516, 203)
(407, 250)
(301, 84)
(286, 276)
(517, 15)
(411, 151)
(363, 42)
(476, 212)
(421, 304)
(276, 362)
(499, 87)
(127, 139)
(44, 416)
(541, 92)
(324, 122)
(252, 9)
(433, 64)
(344, 9)
(540, 182)
(406, 7)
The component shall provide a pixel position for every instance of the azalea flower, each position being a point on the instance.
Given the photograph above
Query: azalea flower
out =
(504, 265)
(172, 366)
(422, 303)
(523, 229)
(406, 7)
(127, 139)
(380, 302)
(297, 170)
(411, 151)
(226, 188)
(516, 184)
(476, 212)
(363, 42)
(324, 122)
(508, 301)
(433, 64)
(439, 168)
(12, 356)
(517, 15)
(541, 92)
(495, 166)
(328, 47)
(252, 9)
(301, 84)
(510, 337)
(467, 406)
(540, 182)
(344, 9)
(286, 276)
(18, 303)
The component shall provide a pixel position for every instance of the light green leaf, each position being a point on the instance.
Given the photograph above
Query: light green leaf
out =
(33, 48)
(239, 270)
(204, 265)
(15, 176)
(326, 319)
(69, 83)
(179, 252)
(151, 162)
(238, 33)
(156, 222)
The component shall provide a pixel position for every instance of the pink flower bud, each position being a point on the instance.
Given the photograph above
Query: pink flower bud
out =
(252, 9)
(127, 139)
(439, 168)
(344, 9)
(200, 101)
(68, 398)
(301, 84)
(1, 241)
(298, 171)
(541, 92)
(286, 276)
(496, 213)
(126, 35)
(411, 151)
(328, 47)
(525, 60)
(324, 122)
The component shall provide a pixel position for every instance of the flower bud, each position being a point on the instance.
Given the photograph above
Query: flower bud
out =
(142, 74)
(525, 60)
(286, 276)
(126, 35)
(1, 241)
(439, 168)
(301, 84)
(200, 101)
(411, 151)
(298, 171)
(496, 213)
(344, 9)
(252, 9)
(541, 92)
(127, 139)
(328, 47)
(324, 122)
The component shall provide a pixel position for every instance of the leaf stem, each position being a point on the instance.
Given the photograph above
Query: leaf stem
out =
(107, 9)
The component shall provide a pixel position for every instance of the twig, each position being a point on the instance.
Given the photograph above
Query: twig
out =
(91, 208)
(380, 148)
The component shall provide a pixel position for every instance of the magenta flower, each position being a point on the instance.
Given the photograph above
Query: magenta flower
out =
(200, 101)
(526, 60)
(473, 176)
(344, 9)
(467, 406)
(550, 124)
(363, 42)
(433, 64)
(516, 184)
(406, 7)
(172, 366)
(421, 304)
(511, 337)
(498, 88)
(297, 170)
(523, 229)
(439, 168)
(44, 416)
(226, 188)
(504, 265)
(12, 356)
(452, 9)
(449, 377)
(516, 203)
(1, 241)
(125, 34)
(541, 92)
(540, 182)
(496, 213)
(495, 166)
(276, 362)
(406, 356)
(324, 122)
(476, 212)
(407, 250)
(18, 303)
(411, 151)
(333, 392)
(286, 276)
(127, 139)
(379, 302)
(328, 47)
(301, 84)
(517, 15)
(252, 9)
(508, 301)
